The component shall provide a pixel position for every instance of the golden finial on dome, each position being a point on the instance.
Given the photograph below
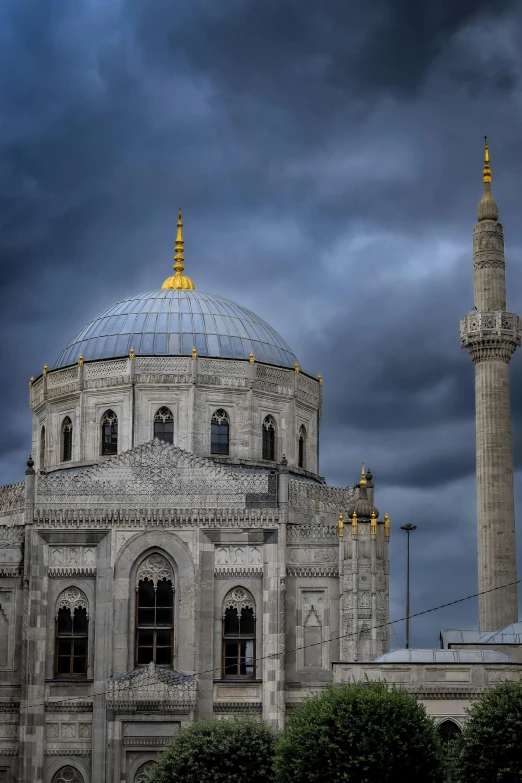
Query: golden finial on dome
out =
(31, 381)
(354, 523)
(132, 354)
(386, 525)
(373, 524)
(340, 526)
(362, 482)
(194, 353)
(45, 369)
(179, 280)
(296, 366)
(320, 379)
(251, 358)
(80, 360)
(487, 167)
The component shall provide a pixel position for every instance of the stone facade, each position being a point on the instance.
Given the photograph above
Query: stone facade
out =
(81, 534)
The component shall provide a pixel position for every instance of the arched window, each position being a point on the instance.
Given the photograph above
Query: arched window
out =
(269, 438)
(155, 612)
(71, 636)
(42, 448)
(239, 634)
(109, 433)
(302, 447)
(68, 775)
(448, 730)
(164, 425)
(143, 772)
(67, 431)
(220, 432)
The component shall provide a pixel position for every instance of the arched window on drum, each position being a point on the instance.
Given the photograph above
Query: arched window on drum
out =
(155, 612)
(109, 433)
(239, 634)
(269, 438)
(220, 432)
(67, 433)
(164, 425)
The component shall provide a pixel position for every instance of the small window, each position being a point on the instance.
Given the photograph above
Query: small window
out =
(154, 623)
(67, 432)
(42, 448)
(220, 436)
(269, 438)
(71, 642)
(239, 634)
(448, 730)
(302, 447)
(68, 775)
(164, 425)
(109, 433)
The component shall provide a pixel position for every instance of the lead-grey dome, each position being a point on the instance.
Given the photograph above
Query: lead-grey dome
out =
(171, 323)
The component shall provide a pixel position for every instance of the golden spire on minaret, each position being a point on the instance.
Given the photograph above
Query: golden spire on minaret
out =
(178, 280)
(487, 208)
(362, 482)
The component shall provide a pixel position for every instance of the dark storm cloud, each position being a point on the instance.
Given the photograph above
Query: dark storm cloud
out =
(327, 157)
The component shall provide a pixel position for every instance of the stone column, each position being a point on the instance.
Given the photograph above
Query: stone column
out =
(491, 335)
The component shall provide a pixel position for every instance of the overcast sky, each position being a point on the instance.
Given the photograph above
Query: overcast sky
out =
(328, 158)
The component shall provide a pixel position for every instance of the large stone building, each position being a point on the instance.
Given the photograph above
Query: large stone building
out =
(173, 552)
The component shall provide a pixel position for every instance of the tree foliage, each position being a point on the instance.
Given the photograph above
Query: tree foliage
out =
(491, 745)
(360, 733)
(218, 751)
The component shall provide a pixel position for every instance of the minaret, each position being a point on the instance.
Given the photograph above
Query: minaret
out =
(492, 335)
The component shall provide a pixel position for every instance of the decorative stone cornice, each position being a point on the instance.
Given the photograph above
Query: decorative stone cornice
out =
(490, 335)
(68, 706)
(307, 571)
(73, 571)
(67, 752)
(237, 706)
(9, 706)
(238, 572)
(11, 571)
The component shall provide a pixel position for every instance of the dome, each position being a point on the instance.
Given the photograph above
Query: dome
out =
(444, 656)
(171, 322)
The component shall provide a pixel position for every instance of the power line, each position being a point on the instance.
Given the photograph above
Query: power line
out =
(296, 649)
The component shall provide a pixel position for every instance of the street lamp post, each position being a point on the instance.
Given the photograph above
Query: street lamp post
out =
(409, 528)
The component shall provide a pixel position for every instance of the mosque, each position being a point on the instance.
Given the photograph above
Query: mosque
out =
(173, 552)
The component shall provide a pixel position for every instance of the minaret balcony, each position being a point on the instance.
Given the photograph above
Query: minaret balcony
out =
(490, 333)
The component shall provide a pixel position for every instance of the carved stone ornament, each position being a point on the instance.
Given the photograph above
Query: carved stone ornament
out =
(72, 599)
(239, 599)
(154, 569)
(68, 775)
(164, 690)
(143, 772)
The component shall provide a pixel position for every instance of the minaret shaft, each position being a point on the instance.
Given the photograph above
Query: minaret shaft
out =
(492, 335)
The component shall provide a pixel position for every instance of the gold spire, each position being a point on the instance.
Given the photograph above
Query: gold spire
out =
(386, 525)
(373, 524)
(487, 208)
(362, 482)
(178, 280)
(340, 526)
(487, 167)
(354, 524)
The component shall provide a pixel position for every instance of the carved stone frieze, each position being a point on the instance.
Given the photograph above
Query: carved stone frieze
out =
(238, 555)
(331, 572)
(238, 572)
(163, 690)
(490, 336)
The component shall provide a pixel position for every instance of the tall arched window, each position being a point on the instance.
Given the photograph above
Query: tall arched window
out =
(109, 433)
(42, 448)
(220, 436)
(71, 635)
(155, 612)
(67, 432)
(68, 775)
(239, 634)
(164, 425)
(302, 447)
(269, 431)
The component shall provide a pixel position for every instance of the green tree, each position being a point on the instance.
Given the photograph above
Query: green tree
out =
(491, 745)
(218, 751)
(360, 733)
